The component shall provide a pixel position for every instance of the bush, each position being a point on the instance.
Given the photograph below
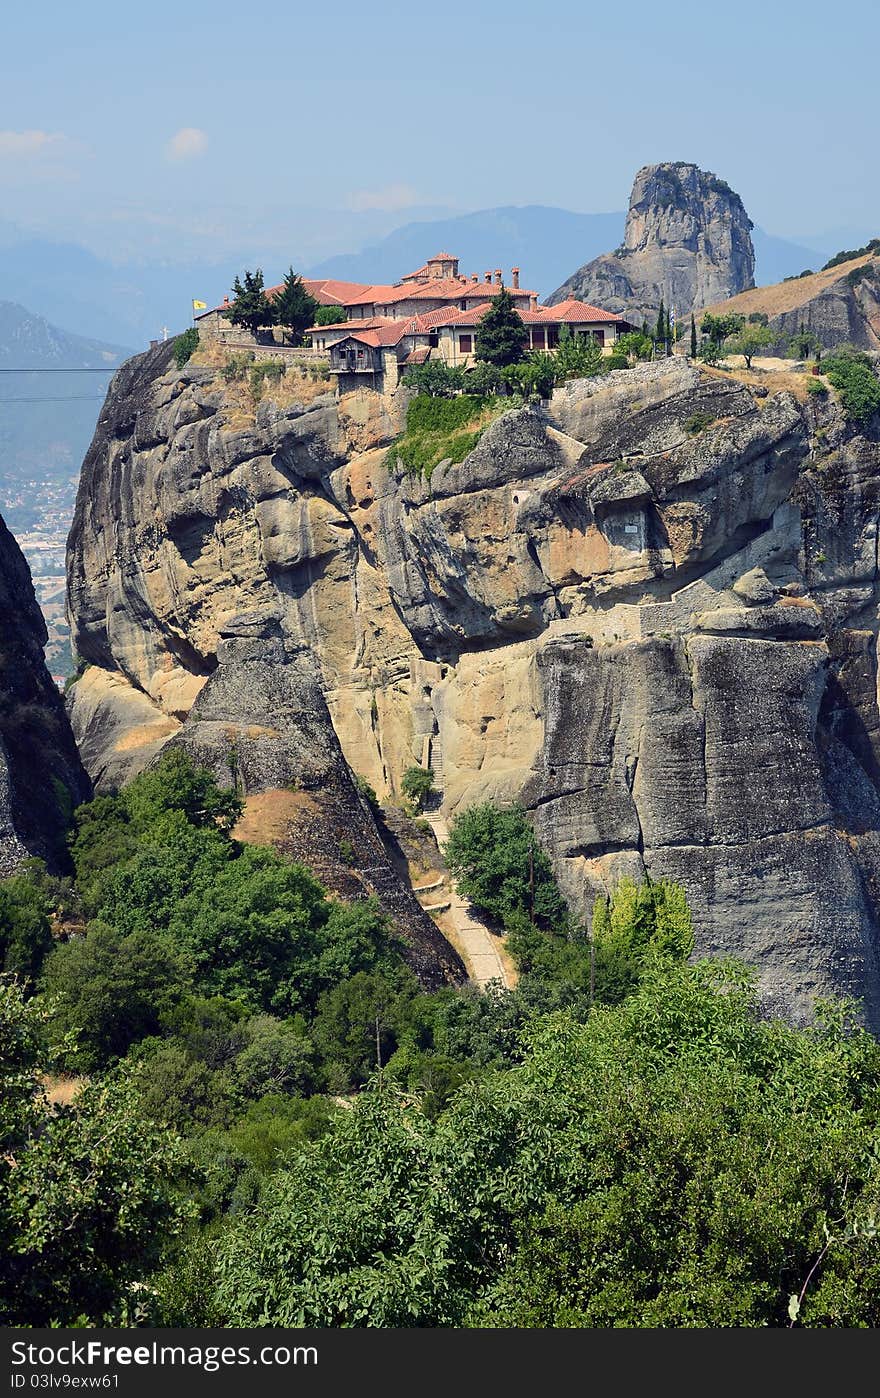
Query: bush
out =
(434, 379)
(330, 315)
(855, 379)
(417, 785)
(697, 422)
(185, 346)
(616, 361)
(237, 366)
(25, 932)
(816, 387)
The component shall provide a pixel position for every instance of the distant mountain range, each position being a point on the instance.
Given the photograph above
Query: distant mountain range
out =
(47, 415)
(546, 243)
(130, 304)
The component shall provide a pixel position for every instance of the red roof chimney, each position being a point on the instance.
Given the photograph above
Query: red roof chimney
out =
(515, 276)
(534, 300)
(489, 277)
(497, 276)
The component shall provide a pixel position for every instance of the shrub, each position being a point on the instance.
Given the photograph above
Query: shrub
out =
(185, 346)
(365, 790)
(816, 387)
(330, 315)
(697, 422)
(434, 379)
(236, 366)
(855, 379)
(417, 785)
(616, 361)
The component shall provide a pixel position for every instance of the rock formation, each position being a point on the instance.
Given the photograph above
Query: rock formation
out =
(687, 241)
(41, 777)
(648, 611)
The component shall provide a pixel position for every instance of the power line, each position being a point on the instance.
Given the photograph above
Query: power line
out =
(58, 369)
(61, 398)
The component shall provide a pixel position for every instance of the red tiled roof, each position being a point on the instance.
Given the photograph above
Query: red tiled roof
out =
(571, 311)
(417, 356)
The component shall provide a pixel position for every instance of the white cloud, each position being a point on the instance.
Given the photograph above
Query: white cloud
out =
(187, 143)
(21, 145)
(389, 199)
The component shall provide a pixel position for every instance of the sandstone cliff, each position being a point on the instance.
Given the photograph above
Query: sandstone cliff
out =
(649, 612)
(687, 241)
(41, 777)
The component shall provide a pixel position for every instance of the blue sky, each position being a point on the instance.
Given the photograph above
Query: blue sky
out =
(171, 128)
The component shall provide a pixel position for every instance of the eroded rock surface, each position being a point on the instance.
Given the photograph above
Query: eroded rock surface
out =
(687, 242)
(41, 776)
(647, 611)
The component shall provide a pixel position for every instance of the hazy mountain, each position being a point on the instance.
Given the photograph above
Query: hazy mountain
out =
(537, 239)
(546, 243)
(47, 415)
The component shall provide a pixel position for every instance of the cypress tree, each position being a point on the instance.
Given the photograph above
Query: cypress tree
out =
(294, 307)
(660, 332)
(693, 338)
(501, 334)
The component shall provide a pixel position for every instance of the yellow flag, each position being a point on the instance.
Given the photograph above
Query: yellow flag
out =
(200, 305)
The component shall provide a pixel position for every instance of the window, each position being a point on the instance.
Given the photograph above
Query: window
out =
(433, 339)
(552, 337)
(538, 340)
(465, 343)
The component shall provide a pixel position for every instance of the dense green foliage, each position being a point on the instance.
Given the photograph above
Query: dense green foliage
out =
(623, 1140)
(856, 381)
(417, 785)
(499, 865)
(88, 1196)
(330, 315)
(674, 1160)
(293, 306)
(185, 346)
(25, 931)
(250, 305)
(501, 333)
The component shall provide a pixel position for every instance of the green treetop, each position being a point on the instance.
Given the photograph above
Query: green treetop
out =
(501, 334)
(294, 307)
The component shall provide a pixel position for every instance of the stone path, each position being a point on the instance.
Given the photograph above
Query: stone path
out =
(478, 946)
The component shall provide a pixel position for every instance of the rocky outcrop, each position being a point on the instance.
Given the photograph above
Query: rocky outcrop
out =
(687, 242)
(648, 611)
(41, 777)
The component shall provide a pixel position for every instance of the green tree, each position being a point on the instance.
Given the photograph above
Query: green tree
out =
(89, 1193)
(750, 340)
(111, 989)
(176, 784)
(639, 924)
(577, 356)
(718, 328)
(673, 1161)
(250, 306)
(359, 1024)
(501, 333)
(436, 379)
(634, 345)
(185, 346)
(661, 332)
(25, 930)
(417, 784)
(693, 338)
(294, 307)
(330, 315)
(496, 861)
